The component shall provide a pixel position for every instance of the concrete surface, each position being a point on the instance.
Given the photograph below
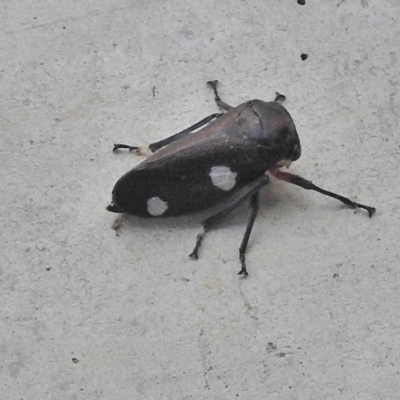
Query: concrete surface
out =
(86, 314)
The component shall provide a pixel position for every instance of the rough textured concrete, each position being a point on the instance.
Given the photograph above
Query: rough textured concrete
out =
(86, 314)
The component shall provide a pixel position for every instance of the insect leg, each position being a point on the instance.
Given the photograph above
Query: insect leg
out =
(220, 103)
(157, 145)
(251, 189)
(254, 204)
(118, 146)
(299, 181)
(279, 97)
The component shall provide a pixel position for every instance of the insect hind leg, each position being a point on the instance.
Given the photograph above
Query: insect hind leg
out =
(118, 146)
(250, 190)
(146, 150)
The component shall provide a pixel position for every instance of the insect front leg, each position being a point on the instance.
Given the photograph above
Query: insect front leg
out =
(157, 145)
(251, 190)
(144, 150)
(254, 204)
(279, 97)
(299, 181)
(220, 103)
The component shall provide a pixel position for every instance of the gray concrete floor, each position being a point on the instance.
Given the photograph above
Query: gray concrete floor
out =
(86, 314)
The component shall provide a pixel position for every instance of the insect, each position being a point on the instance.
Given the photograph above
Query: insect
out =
(224, 158)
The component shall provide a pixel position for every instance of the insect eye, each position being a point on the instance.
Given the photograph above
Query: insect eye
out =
(296, 153)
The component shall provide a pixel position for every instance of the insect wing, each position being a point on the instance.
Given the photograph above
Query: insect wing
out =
(231, 126)
(193, 179)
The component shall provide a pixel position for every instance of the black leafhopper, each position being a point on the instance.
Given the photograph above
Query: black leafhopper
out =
(224, 158)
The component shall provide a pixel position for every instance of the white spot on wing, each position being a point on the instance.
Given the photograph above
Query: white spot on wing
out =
(156, 206)
(223, 177)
